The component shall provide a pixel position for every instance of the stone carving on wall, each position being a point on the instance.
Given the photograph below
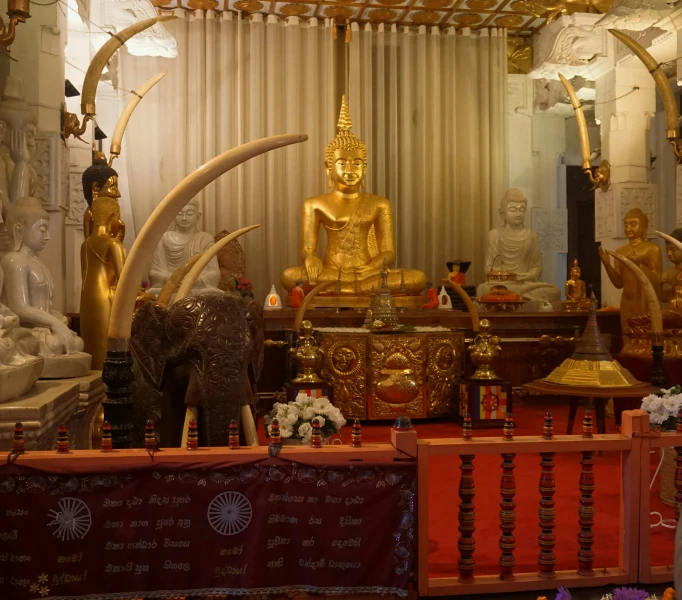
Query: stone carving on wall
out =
(46, 161)
(77, 205)
(118, 14)
(552, 228)
(568, 45)
(520, 95)
(605, 215)
(638, 197)
(612, 206)
(635, 15)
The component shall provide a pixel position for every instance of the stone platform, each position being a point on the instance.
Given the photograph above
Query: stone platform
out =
(50, 403)
(46, 406)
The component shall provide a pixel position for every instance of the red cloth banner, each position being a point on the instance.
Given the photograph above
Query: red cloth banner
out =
(265, 527)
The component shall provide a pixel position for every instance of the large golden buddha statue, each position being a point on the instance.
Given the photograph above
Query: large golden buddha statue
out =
(359, 230)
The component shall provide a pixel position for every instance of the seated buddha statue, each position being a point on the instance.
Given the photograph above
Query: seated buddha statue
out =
(359, 228)
(576, 291)
(178, 246)
(28, 292)
(515, 249)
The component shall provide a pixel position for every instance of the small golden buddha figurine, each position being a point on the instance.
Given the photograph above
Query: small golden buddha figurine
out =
(645, 255)
(671, 284)
(100, 180)
(102, 256)
(576, 291)
(359, 227)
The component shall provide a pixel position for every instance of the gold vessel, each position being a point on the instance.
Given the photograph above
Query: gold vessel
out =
(308, 358)
(484, 351)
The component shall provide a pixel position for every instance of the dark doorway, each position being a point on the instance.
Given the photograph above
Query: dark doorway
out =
(581, 243)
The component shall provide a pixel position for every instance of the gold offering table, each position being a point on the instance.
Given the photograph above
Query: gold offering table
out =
(385, 375)
(532, 343)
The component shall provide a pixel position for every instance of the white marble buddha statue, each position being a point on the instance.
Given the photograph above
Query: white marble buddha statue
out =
(178, 246)
(28, 291)
(20, 365)
(516, 249)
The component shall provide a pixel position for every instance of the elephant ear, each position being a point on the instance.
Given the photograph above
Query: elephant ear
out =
(147, 341)
(253, 313)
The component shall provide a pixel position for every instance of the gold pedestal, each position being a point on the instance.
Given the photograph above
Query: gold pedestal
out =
(382, 376)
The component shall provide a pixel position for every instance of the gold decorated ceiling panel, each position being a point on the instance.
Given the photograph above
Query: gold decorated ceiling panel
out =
(521, 17)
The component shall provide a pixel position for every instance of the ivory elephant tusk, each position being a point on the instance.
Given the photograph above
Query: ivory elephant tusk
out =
(473, 313)
(300, 313)
(669, 103)
(206, 256)
(649, 292)
(122, 123)
(171, 284)
(141, 253)
(670, 239)
(104, 54)
(580, 120)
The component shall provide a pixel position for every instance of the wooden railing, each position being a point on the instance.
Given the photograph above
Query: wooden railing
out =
(633, 443)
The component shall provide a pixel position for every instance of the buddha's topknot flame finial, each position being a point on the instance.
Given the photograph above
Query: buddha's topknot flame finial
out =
(344, 124)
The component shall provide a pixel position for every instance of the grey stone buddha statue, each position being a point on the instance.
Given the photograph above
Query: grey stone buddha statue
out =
(516, 249)
(178, 246)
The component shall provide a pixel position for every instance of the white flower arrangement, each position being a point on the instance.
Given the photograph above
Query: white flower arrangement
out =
(296, 418)
(663, 407)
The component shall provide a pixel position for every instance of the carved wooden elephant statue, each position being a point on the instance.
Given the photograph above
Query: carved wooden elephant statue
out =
(196, 352)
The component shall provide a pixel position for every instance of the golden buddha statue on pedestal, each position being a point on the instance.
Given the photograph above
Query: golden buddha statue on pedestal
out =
(359, 230)
(576, 291)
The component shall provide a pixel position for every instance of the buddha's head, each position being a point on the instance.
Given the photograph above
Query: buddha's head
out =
(186, 220)
(28, 222)
(100, 181)
(346, 155)
(673, 252)
(635, 224)
(106, 213)
(513, 208)
(575, 270)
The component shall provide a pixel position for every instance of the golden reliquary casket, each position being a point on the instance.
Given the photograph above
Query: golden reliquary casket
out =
(385, 375)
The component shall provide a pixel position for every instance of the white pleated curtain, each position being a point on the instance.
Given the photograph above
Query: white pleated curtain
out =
(234, 81)
(430, 104)
(432, 107)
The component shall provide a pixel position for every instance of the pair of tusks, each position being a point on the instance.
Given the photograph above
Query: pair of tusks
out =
(120, 322)
(94, 74)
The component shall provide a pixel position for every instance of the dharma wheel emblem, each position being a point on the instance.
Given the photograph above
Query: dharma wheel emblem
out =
(229, 513)
(72, 520)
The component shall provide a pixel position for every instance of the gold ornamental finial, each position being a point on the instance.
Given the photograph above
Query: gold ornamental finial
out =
(345, 139)
(344, 124)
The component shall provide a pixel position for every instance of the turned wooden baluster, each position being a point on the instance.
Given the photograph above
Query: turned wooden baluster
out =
(678, 469)
(467, 514)
(547, 513)
(586, 507)
(507, 506)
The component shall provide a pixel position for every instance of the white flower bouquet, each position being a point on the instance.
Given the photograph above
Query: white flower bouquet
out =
(296, 418)
(663, 407)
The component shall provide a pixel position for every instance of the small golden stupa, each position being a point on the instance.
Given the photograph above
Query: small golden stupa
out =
(383, 307)
(591, 364)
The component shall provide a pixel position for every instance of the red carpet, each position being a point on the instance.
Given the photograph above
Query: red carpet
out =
(444, 501)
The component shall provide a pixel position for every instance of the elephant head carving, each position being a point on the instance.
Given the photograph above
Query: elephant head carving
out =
(199, 352)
